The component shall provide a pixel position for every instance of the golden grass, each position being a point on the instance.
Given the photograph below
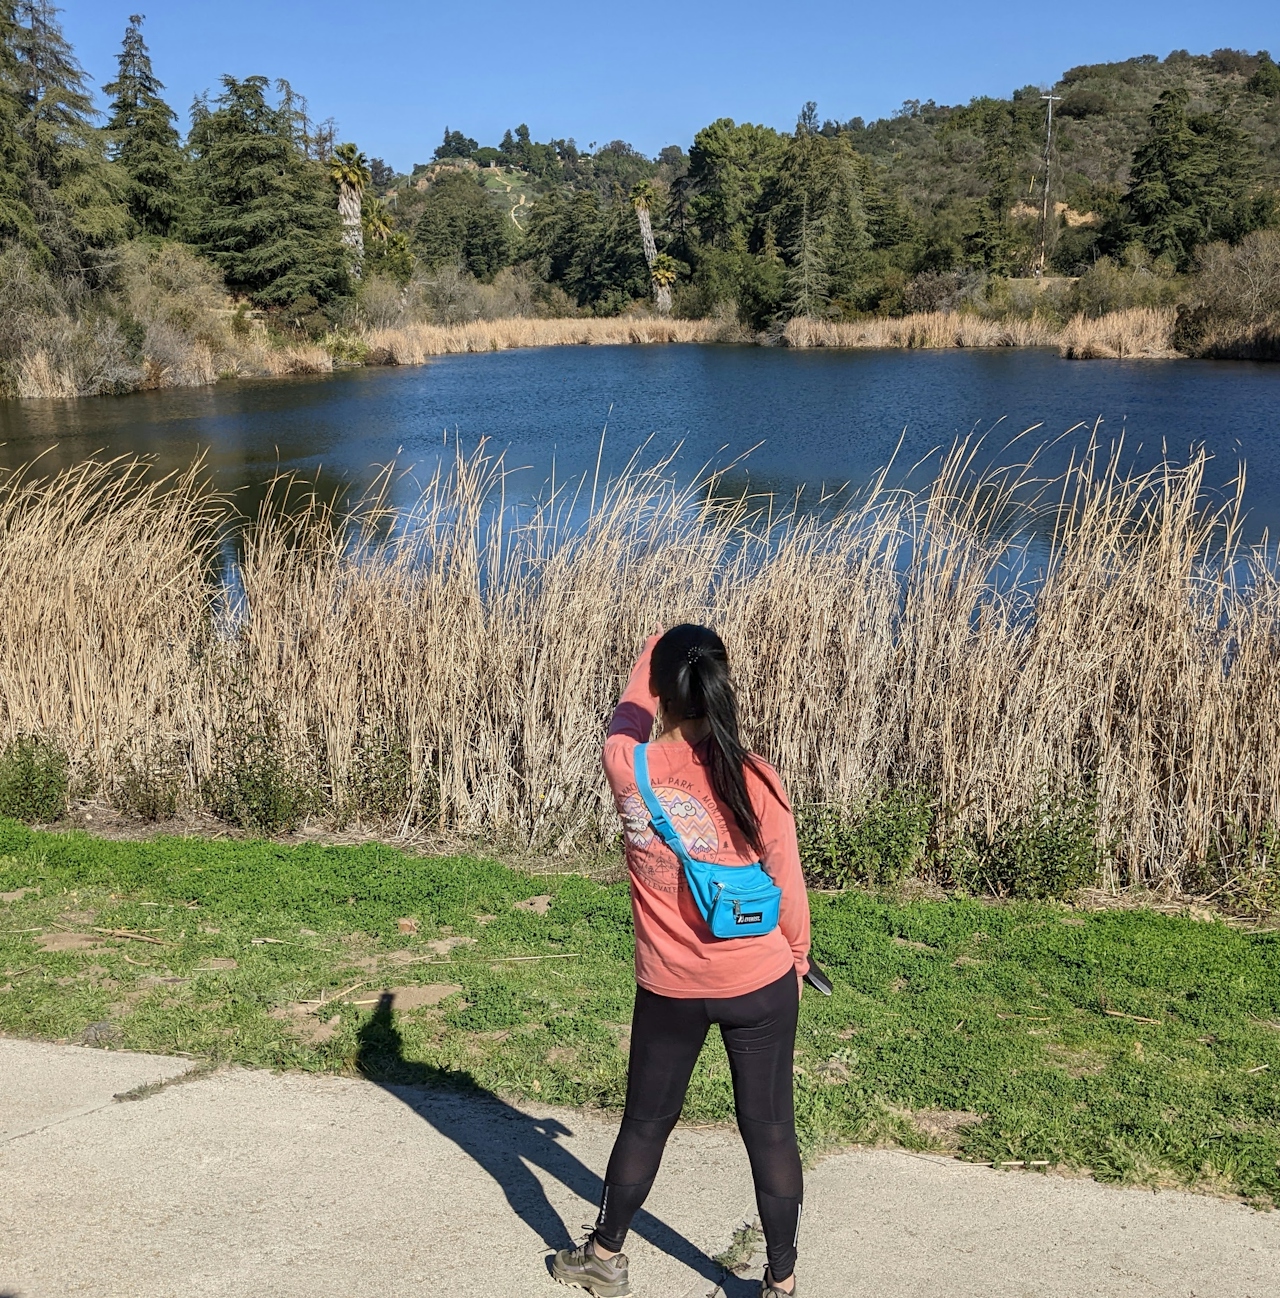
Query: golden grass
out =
(1243, 341)
(930, 329)
(173, 361)
(40, 376)
(1136, 332)
(873, 649)
(305, 359)
(1139, 332)
(414, 343)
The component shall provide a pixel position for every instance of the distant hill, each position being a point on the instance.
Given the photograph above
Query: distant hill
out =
(933, 150)
(1151, 161)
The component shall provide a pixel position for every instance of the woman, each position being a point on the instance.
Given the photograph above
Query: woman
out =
(728, 806)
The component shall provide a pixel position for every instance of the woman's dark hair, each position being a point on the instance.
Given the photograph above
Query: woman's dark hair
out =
(689, 672)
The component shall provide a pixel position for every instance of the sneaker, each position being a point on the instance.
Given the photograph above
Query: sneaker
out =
(598, 1276)
(770, 1290)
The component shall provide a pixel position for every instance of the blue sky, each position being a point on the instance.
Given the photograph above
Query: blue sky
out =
(650, 74)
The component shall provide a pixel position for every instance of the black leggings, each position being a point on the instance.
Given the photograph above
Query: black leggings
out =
(759, 1031)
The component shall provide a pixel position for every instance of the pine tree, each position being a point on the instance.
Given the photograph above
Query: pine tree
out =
(1165, 181)
(459, 224)
(1189, 182)
(73, 191)
(16, 219)
(808, 281)
(143, 140)
(1266, 79)
(261, 210)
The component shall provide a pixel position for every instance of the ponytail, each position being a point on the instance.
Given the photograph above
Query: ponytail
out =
(689, 672)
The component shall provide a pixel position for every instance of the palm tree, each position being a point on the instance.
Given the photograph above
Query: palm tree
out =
(349, 170)
(641, 199)
(376, 220)
(663, 272)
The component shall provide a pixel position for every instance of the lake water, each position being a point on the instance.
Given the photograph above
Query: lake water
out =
(815, 417)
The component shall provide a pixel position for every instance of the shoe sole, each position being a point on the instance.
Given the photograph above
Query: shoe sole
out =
(595, 1288)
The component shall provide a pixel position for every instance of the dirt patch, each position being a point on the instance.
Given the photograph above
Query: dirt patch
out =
(915, 946)
(534, 905)
(17, 894)
(407, 925)
(443, 945)
(621, 1033)
(943, 1126)
(897, 985)
(303, 1022)
(101, 1033)
(561, 1055)
(1074, 1061)
(962, 960)
(71, 942)
(406, 998)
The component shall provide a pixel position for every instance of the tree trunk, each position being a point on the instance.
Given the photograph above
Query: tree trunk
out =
(661, 292)
(646, 235)
(352, 232)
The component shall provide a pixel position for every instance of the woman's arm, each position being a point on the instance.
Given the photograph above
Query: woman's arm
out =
(632, 722)
(781, 858)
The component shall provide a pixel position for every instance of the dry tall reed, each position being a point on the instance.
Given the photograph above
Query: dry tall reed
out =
(926, 329)
(876, 649)
(412, 344)
(1137, 332)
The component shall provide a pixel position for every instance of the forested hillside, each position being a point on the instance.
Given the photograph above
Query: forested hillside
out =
(137, 250)
(1148, 161)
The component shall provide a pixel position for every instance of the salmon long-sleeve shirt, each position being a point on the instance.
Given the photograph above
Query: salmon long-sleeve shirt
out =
(676, 954)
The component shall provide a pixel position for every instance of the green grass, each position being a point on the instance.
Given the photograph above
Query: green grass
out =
(956, 1006)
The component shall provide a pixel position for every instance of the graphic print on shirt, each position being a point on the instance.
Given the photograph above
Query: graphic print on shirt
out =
(693, 822)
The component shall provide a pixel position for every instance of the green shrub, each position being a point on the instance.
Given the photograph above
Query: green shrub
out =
(1136, 281)
(1242, 866)
(34, 780)
(379, 782)
(1051, 851)
(883, 843)
(345, 347)
(256, 787)
(149, 790)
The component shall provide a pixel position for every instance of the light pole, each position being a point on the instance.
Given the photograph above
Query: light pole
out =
(1050, 99)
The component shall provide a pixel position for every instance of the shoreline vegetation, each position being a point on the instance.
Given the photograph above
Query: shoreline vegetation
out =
(1106, 722)
(1133, 333)
(1141, 219)
(1127, 334)
(1141, 333)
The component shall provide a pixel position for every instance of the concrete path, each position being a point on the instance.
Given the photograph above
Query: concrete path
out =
(249, 1183)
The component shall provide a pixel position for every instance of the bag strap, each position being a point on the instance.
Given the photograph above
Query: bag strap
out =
(658, 817)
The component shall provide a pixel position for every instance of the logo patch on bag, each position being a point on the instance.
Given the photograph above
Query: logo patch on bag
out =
(741, 918)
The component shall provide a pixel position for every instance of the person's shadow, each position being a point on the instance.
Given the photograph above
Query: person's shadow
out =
(504, 1142)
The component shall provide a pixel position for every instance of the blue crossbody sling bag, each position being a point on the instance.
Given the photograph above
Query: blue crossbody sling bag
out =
(735, 900)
